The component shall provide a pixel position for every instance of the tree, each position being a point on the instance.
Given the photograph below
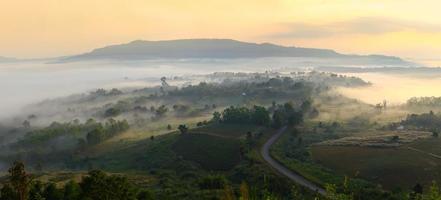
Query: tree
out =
(183, 128)
(213, 182)
(51, 192)
(36, 191)
(295, 118)
(306, 106)
(228, 193)
(72, 191)
(332, 194)
(278, 119)
(26, 124)
(112, 112)
(260, 116)
(8, 193)
(417, 192)
(244, 191)
(435, 133)
(95, 136)
(146, 195)
(99, 186)
(19, 180)
(216, 117)
(236, 115)
(161, 110)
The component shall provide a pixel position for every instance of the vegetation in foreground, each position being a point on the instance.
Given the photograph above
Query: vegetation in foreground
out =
(203, 142)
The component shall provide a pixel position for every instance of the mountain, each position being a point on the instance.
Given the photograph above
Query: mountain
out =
(212, 48)
(6, 59)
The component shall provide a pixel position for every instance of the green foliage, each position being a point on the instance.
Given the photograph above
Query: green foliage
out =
(332, 194)
(217, 117)
(260, 116)
(110, 129)
(19, 180)
(183, 128)
(241, 115)
(286, 115)
(424, 101)
(112, 112)
(72, 191)
(161, 111)
(94, 131)
(37, 190)
(426, 121)
(261, 88)
(99, 186)
(103, 92)
(146, 195)
(236, 115)
(51, 192)
(212, 182)
(95, 136)
(8, 193)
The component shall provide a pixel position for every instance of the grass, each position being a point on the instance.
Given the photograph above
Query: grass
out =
(211, 152)
(135, 156)
(203, 147)
(297, 162)
(391, 167)
(228, 130)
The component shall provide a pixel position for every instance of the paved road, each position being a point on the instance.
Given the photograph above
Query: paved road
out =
(283, 170)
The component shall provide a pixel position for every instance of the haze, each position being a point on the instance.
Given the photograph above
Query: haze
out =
(47, 28)
(396, 89)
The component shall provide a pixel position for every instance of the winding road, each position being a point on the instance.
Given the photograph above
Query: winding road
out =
(282, 169)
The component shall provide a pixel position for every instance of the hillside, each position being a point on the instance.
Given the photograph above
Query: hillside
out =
(216, 49)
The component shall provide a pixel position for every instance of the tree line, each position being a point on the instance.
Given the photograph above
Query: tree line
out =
(277, 115)
(92, 132)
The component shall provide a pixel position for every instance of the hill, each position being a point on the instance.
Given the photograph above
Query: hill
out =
(215, 49)
(7, 59)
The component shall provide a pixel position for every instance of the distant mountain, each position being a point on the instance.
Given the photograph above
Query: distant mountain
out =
(213, 48)
(6, 59)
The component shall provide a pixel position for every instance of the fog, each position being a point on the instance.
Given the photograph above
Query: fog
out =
(29, 82)
(394, 88)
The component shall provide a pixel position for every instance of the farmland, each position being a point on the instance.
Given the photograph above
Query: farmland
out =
(400, 167)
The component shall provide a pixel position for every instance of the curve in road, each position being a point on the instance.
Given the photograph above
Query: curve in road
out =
(282, 169)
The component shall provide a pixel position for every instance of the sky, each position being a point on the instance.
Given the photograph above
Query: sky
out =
(47, 28)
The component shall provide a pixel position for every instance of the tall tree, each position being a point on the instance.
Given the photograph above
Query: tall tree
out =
(19, 180)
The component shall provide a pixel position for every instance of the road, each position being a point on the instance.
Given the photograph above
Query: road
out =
(282, 169)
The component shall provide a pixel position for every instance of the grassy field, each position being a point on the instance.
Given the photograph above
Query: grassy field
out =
(213, 147)
(400, 167)
(211, 152)
(228, 130)
(295, 156)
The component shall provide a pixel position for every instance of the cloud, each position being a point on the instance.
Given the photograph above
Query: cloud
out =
(363, 25)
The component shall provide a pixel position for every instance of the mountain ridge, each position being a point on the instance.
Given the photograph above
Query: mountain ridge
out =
(211, 48)
(7, 59)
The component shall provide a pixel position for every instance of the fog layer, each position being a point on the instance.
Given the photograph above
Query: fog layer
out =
(393, 87)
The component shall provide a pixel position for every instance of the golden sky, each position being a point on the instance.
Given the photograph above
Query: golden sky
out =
(41, 28)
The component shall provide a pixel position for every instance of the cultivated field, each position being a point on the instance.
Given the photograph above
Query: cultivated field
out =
(403, 166)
